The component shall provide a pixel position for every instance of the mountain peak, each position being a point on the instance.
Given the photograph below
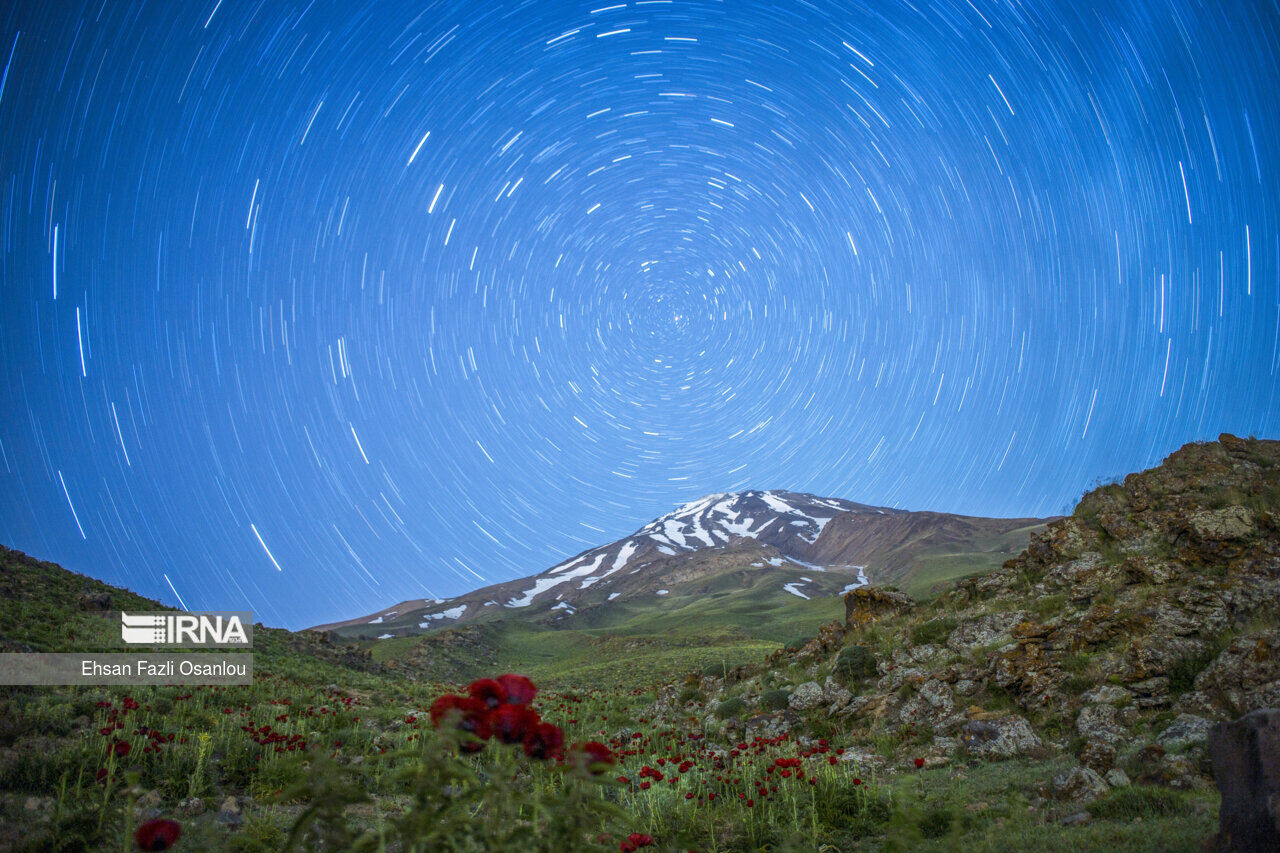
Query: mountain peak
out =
(786, 544)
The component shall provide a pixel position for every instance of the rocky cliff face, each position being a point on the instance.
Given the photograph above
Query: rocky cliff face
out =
(1118, 636)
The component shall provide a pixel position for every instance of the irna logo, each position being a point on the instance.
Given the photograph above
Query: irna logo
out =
(185, 629)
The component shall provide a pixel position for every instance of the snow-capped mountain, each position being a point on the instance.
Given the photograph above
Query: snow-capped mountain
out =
(795, 544)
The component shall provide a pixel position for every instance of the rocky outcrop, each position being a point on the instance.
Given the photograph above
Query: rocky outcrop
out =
(866, 604)
(1120, 635)
(1246, 767)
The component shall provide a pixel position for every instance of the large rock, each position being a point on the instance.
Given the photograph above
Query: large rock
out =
(1232, 522)
(1100, 722)
(1246, 676)
(1185, 731)
(806, 696)
(866, 604)
(1000, 738)
(1246, 766)
(984, 631)
(1078, 783)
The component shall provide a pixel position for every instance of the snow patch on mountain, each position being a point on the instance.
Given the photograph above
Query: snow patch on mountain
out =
(542, 584)
(451, 613)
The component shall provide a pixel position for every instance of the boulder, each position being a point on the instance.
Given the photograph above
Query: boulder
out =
(1098, 756)
(984, 631)
(1000, 738)
(1078, 783)
(1246, 676)
(1246, 767)
(1107, 694)
(1185, 731)
(806, 696)
(1232, 522)
(1100, 722)
(866, 604)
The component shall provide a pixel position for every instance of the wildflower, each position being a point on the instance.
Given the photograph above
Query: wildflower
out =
(593, 754)
(488, 691)
(157, 835)
(512, 723)
(857, 782)
(520, 690)
(919, 762)
(121, 748)
(544, 741)
(635, 841)
(468, 714)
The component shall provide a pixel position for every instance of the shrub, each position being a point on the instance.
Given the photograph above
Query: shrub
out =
(775, 700)
(1183, 671)
(1140, 801)
(855, 662)
(933, 631)
(690, 694)
(730, 708)
(797, 643)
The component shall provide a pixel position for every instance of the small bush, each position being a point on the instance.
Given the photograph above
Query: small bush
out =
(690, 694)
(1183, 671)
(933, 631)
(1140, 801)
(798, 643)
(717, 670)
(935, 823)
(855, 662)
(730, 708)
(775, 700)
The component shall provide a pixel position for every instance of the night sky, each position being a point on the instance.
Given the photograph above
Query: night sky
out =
(310, 307)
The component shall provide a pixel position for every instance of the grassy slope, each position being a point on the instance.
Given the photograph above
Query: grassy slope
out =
(643, 641)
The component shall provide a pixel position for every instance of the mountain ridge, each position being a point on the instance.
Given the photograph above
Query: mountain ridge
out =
(817, 546)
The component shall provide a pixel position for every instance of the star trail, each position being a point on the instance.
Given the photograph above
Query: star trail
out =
(311, 307)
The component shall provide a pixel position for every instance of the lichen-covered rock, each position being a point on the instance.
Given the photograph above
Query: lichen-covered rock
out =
(1246, 675)
(1116, 778)
(999, 738)
(983, 631)
(1029, 672)
(1107, 694)
(806, 697)
(834, 695)
(932, 704)
(1185, 731)
(866, 604)
(1100, 722)
(1232, 522)
(1078, 783)
(1098, 755)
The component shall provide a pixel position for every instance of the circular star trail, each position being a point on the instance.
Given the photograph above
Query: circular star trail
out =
(310, 307)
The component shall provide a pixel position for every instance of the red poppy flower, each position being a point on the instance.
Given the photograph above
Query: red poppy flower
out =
(157, 835)
(857, 782)
(520, 690)
(919, 762)
(593, 752)
(470, 714)
(544, 741)
(512, 723)
(121, 748)
(635, 841)
(488, 691)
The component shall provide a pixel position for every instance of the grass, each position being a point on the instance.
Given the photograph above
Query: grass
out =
(367, 771)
